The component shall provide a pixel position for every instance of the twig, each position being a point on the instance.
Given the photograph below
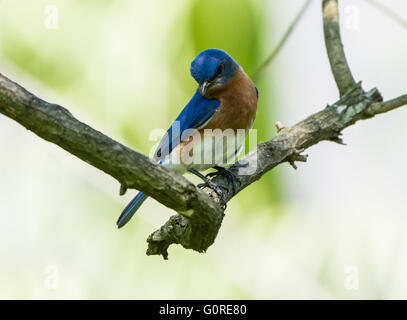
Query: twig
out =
(378, 108)
(339, 65)
(282, 41)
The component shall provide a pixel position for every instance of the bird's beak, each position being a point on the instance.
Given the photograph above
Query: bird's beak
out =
(203, 87)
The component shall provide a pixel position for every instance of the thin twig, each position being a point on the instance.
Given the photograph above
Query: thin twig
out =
(282, 41)
(378, 108)
(394, 103)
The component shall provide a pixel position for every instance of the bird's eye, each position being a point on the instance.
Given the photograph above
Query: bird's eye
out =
(219, 70)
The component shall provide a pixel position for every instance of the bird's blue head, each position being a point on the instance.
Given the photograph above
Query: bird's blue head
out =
(212, 69)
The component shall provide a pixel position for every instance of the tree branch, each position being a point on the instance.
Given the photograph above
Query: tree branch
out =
(200, 218)
(132, 169)
(282, 41)
(339, 65)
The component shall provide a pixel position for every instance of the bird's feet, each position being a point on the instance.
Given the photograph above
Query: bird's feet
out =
(221, 171)
(208, 183)
(212, 185)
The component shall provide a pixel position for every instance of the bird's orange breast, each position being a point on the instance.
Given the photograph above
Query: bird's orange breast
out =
(238, 104)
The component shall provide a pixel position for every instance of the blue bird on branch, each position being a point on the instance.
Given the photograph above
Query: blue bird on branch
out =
(222, 109)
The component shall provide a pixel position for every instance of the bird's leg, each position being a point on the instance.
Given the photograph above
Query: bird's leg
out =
(210, 184)
(221, 171)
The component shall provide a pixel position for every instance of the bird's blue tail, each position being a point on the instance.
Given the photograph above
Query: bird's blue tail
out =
(131, 209)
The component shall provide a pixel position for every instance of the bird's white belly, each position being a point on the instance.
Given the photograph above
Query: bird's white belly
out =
(217, 148)
(206, 150)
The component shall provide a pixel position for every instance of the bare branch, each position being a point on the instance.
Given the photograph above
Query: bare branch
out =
(394, 103)
(325, 125)
(339, 65)
(389, 105)
(283, 40)
(196, 228)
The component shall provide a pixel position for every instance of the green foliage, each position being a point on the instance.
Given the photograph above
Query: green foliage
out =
(49, 67)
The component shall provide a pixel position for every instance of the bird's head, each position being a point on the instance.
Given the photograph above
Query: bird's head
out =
(212, 69)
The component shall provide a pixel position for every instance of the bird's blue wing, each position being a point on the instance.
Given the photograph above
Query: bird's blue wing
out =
(196, 113)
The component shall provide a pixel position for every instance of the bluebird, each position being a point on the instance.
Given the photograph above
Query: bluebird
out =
(225, 105)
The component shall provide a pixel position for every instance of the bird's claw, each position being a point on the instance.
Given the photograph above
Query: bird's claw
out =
(227, 174)
(212, 185)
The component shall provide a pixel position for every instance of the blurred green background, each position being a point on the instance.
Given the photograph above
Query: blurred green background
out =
(123, 68)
